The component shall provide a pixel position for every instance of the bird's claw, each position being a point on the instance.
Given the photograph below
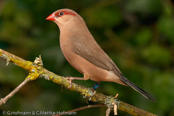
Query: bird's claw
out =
(92, 93)
(95, 86)
(70, 81)
(61, 87)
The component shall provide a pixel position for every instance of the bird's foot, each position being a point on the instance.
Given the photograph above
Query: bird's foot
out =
(95, 86)
(73, 78)
(92, 94)
(70, 81)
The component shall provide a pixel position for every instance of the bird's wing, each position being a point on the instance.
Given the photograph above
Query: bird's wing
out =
(93, 53)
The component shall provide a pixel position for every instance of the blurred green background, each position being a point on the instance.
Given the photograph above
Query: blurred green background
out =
(137, 34)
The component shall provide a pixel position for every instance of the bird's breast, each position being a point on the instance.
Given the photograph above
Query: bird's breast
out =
(67, 50)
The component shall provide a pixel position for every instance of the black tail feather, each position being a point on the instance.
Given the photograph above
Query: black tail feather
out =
(138, 89)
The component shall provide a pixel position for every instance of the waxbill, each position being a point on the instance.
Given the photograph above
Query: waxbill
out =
(84, 54)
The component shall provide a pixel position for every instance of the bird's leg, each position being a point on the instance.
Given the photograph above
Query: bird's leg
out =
(86, 77)
(94, 87)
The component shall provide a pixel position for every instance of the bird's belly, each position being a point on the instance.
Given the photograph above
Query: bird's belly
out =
(95, 73)
(85, 67)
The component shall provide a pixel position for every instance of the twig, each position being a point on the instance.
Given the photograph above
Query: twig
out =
(38, 71)
(115, 105)
(115, 108)
(108, 111)
(81, 108)
(4, 100)
(116, 96)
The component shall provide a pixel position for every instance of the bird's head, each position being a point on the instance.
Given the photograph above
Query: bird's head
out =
(63, 16)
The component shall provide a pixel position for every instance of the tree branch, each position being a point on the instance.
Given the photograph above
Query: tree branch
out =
(36, 70)
(78, 109)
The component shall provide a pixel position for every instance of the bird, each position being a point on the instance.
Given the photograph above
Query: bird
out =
(82, 51)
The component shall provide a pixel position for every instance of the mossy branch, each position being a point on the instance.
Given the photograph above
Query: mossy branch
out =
(36, 70)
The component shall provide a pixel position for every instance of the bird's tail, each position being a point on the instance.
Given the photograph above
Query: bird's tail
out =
(138, 89)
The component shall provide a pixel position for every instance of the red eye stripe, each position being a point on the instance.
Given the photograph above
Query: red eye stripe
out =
(65, 13)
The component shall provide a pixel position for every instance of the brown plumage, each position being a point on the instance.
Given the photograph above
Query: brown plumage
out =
(84, 54)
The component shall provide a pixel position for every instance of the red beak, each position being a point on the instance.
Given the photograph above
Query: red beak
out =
(51, 17)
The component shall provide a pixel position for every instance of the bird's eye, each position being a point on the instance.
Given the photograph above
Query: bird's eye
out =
(61, 13)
